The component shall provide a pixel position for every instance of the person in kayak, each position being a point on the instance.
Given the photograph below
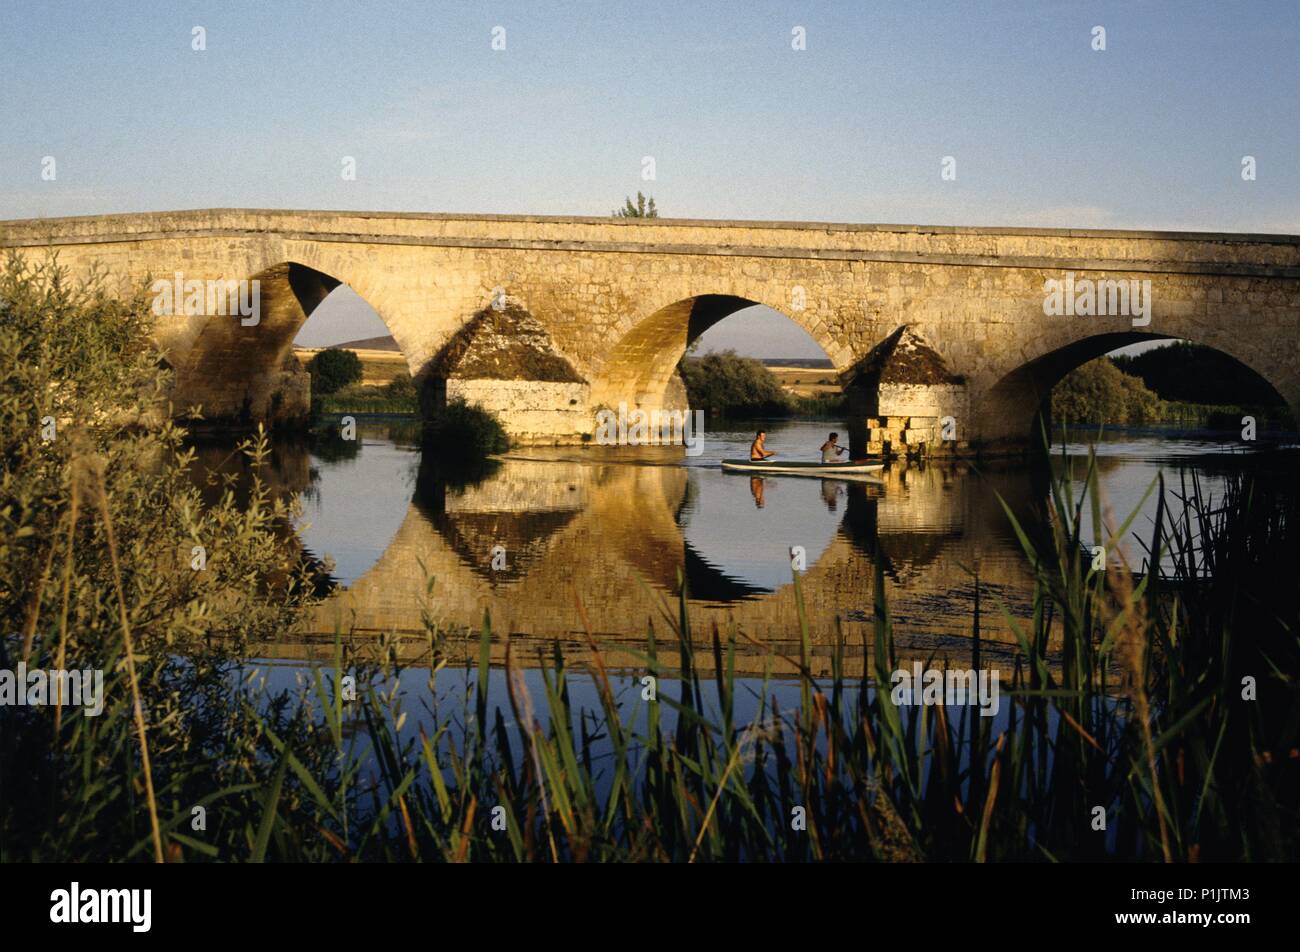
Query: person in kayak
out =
(831, 449)
(757, 449)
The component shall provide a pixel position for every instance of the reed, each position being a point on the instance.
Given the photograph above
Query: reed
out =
(1143, 716)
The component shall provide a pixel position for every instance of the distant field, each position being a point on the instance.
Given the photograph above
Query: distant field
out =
(381, 362)
(378, 367)
(806, 381)
(819, 363)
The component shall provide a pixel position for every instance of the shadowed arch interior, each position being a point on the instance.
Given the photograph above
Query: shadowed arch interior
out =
(239, 370)
(641, 367)
(642, 364)
(1020, 397)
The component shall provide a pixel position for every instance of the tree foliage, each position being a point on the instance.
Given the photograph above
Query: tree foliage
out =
(111, 560)
(1099, 392)
(1198, 374)
(333, 369)
(644, 208)
(401, 387)
(731, 385)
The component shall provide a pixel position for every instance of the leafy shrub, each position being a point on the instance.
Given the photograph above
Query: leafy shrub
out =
(1099, 392)
(733, 386)
(333, 369)
(401, 387)
(464, 430)
(100, 520)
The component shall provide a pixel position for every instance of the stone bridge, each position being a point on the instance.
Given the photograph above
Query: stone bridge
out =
(546, 320)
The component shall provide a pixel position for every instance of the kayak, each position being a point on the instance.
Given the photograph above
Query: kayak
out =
(801, 468)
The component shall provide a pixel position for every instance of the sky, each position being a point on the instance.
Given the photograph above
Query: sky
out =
(1045, 130)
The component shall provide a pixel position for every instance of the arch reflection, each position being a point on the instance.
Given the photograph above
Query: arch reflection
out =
(616, 535)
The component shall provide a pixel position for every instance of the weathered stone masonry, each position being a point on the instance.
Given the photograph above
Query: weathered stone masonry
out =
(621, 298)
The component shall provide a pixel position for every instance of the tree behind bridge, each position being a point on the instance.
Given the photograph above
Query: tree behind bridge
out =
(644, 208)
(333, 369)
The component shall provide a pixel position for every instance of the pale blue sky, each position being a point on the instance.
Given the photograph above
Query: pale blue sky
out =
(1046, 131)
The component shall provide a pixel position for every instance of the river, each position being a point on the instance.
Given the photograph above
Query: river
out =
(547, 537)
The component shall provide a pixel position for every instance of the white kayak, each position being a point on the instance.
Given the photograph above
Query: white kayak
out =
(801, 468)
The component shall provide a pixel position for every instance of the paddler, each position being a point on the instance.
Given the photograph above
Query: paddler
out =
(831, 449)
(757, 450)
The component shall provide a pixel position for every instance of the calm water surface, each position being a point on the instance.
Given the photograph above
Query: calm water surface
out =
(546, 530)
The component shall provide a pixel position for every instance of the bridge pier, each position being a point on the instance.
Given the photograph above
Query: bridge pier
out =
(243, 370)
(905, 402)
(504, 361)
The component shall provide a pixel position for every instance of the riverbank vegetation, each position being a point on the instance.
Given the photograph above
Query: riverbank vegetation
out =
(396, 397)
(458, 430)
(1180, 383)
(463, 429)
(111, 560)
(723, 383)
(1150, 716)
(1191, 373)
(729, 385)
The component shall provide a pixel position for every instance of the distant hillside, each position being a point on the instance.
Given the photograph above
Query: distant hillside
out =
(369, 343)
(816, 362)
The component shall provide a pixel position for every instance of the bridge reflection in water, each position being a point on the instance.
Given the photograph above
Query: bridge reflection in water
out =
(615, 531)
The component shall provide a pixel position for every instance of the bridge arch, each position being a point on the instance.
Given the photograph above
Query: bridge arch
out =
(1010, 408)
(241, 367)
(641, 367)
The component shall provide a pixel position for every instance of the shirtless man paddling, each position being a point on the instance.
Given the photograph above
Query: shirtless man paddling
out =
(758, 450)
